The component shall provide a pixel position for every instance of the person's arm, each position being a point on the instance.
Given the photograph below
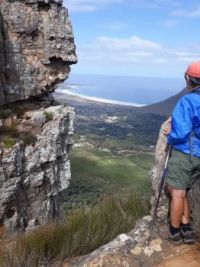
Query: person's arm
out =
(181, 123)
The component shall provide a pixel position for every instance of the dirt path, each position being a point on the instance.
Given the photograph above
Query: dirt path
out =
(189, 259)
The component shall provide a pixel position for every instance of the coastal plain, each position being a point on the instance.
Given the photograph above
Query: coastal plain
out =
(112, 152)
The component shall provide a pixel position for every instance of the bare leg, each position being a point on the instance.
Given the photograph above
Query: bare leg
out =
(186, 216)
(178, 206)
(179, 212)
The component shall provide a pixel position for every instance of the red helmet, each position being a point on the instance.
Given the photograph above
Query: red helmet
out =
(193, 69)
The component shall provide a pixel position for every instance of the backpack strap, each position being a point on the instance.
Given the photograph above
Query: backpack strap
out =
(197, 92)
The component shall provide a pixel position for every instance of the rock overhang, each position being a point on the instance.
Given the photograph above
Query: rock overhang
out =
(37, 48)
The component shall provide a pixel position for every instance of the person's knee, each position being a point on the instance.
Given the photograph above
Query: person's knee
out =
(175, 193)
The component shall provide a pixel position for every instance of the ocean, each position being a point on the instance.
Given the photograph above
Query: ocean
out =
(135, 91)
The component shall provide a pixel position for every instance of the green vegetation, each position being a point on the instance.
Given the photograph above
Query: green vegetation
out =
(84, 231)
(13, 110)
(8, 142)
(96, 173)
(130, 128)
(18, 110)
(11, 131)
(48, 115)
(99, 203)
(5, 113)
(10, 134)
(28, 138)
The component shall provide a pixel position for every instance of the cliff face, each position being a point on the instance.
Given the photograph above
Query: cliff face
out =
(36, 51)
(37, 48)
(33, 175)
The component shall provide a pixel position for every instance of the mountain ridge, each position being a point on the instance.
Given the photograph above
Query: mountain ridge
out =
(164, 107)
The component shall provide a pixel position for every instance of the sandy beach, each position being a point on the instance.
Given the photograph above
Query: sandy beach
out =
(82, 98)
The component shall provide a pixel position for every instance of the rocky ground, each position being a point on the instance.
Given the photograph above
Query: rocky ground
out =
(131, 250)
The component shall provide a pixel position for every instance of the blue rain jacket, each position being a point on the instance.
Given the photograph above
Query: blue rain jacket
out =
(185, 124)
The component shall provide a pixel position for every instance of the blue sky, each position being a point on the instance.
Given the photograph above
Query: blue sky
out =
(155, 38)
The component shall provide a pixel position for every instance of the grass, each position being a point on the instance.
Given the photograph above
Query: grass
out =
(97, 173)
(28, 138)
(8, 142)
(5, 113)
(14, 109)
(48, 115)
(120, 170)
(11, 131)
(84, 231)
(10, 134)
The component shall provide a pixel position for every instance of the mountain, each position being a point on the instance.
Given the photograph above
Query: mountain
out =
(164, 107)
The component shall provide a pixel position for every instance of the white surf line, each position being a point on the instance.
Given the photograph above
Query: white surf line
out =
(101, 100)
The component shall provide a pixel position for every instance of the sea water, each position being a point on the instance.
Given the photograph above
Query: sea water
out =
(128, 90)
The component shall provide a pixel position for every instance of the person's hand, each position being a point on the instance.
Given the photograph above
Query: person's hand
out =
(167, 126)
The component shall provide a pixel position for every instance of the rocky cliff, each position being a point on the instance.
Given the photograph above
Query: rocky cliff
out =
(37, 48)
(36, 51)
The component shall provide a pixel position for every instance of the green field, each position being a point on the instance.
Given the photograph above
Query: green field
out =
(97, 173)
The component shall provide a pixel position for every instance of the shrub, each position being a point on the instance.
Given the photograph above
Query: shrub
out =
(28, 138)
(11, 131)
(48, 115)
(84, 231)
(18, 110)
(5, 113)
(10, 134)
(9, 142)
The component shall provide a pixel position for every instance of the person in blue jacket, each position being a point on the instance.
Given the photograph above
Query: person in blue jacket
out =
(183, 132)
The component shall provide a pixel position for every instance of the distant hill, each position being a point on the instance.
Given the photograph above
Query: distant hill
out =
(164, 107)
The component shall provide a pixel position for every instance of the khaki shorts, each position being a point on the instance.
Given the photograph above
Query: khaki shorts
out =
(182, 170)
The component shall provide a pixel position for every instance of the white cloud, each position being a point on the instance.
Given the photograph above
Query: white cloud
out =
(93, 5)
(89, 5)
(171, 23)
(155, 3)
(135, 50)
(133, 43)
(185, 54)
(161, 61)
(194, 13)
(116, 26)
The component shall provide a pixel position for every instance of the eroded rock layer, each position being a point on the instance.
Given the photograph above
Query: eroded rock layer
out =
(37, 48)
(36, 169)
